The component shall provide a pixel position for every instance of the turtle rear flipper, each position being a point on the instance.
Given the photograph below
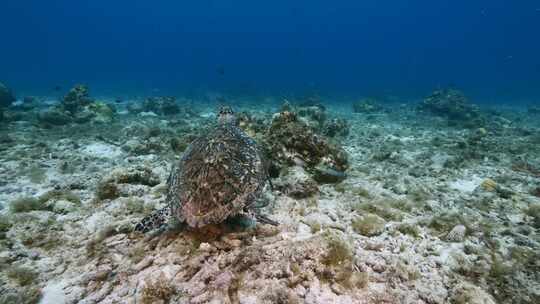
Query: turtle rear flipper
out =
(265, 220)
(157, 220)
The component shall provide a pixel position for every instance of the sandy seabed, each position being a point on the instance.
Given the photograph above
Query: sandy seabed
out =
(428, 213)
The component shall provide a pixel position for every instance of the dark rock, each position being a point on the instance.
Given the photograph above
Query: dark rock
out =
(454, 106)
(536, 191)
(6, 96)
(54, 116)
(6, 139)
(76, 99)
(290, 141)
(534, 110)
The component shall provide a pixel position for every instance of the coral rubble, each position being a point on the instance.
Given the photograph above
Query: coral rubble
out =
(367, 105)
(454, 106)
(392, 208)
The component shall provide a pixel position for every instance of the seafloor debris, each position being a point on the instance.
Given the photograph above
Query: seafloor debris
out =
(6, 98)
(427, 214)
(526, 167)
(76, 99)
(77, 107)
(454, 106)
(367, 105)
(336, 127)
(289, 141)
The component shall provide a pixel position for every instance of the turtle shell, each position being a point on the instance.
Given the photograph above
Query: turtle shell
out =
(220, 174)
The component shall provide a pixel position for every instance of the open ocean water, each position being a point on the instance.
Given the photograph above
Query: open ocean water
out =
(269, 152)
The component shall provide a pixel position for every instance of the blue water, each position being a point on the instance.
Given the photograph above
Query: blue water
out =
(489, 49)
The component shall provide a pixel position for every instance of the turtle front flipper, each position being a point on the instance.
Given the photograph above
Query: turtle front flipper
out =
(157, 220)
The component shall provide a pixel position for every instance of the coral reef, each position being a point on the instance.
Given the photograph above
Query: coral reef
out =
(77, 107)
(104, 113)
(76, 99)
(454, 106)
(289, 141)
(297, 183)
(314, 116)
(428, 213)
(253, 125)
(54, 117)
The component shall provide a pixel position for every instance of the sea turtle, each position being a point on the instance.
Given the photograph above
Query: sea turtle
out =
(221, 174)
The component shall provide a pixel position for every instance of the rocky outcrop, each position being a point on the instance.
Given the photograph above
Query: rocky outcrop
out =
(77, 107)
(452, 105)
(76, 99)
(6, 98)
(290, 141)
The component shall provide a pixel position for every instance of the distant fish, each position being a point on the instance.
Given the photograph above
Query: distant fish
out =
(220, 70)
(57, 88)
(118, 100)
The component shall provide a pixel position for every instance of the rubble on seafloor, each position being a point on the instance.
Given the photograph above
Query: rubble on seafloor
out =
(397, 209)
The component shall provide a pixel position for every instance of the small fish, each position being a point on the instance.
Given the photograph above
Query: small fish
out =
(118, 100)
(57, 88)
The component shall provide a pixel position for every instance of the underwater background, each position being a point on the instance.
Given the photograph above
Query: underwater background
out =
(347, 48)
(246, 152)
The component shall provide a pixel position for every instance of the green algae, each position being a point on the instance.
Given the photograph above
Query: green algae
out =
(384, 207)
(25, 295)
(22, 275)
(409, 229)
(368, 225)
(36, 174)
(338, 253)
(26, 204)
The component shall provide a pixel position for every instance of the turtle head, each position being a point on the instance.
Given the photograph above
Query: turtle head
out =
(226, 115)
